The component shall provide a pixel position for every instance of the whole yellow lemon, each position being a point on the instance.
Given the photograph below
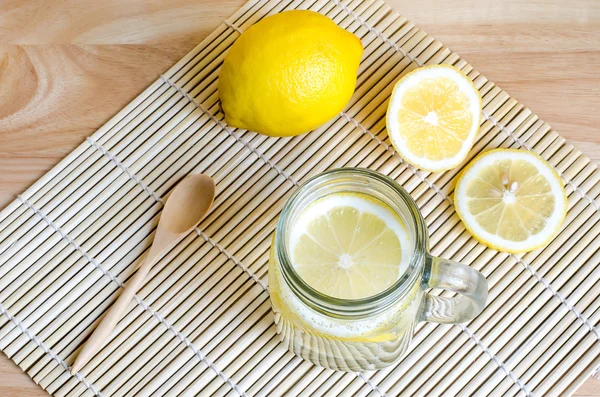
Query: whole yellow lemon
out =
(289, 74)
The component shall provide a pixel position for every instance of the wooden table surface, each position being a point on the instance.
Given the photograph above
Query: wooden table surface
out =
(67, 66)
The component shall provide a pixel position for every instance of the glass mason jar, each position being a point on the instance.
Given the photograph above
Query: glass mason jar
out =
(373, 332)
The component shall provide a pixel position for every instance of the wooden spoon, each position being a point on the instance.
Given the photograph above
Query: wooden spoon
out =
(186, 206)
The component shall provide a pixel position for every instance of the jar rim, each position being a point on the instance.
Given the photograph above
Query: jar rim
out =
(351, 308)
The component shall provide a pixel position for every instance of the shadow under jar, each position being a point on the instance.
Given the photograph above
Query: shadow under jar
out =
(372, 332)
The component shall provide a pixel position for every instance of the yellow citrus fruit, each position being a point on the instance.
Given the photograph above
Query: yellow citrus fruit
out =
(349, 246)
(511, 200)
(289, 73)
(433, 117)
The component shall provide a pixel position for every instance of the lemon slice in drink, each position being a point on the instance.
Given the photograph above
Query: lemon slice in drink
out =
(349, 246)
(511, 200)
(433, 117)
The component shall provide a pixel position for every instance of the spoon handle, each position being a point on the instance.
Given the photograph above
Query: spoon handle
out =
(163, 240)
(111, 318)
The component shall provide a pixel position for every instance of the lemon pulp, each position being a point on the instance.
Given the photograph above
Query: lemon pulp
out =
(349, 246)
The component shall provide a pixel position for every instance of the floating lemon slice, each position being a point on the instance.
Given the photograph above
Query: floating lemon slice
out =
(349, 246)
(433, 117)
(511, 200)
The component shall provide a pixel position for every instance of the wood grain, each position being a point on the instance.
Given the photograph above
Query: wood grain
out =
(67, 66)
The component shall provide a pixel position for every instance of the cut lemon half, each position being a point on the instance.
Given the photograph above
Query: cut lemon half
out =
(349, 246)
(433, 117)
(511, 200)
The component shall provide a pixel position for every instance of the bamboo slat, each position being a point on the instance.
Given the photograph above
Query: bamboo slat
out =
(202, 323)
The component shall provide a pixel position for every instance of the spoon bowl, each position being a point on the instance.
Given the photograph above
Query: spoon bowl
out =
(188, 203)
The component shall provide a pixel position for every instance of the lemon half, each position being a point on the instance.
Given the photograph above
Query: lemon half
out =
(433, 117)
(511, 200)
(349, 246)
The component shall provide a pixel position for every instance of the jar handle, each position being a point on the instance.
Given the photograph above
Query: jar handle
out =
(468, 283)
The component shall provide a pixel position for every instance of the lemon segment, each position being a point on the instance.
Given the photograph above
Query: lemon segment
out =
(511, 200)
(349, 246)
(433, 117)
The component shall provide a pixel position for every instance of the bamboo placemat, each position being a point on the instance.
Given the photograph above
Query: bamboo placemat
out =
(202, 324)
